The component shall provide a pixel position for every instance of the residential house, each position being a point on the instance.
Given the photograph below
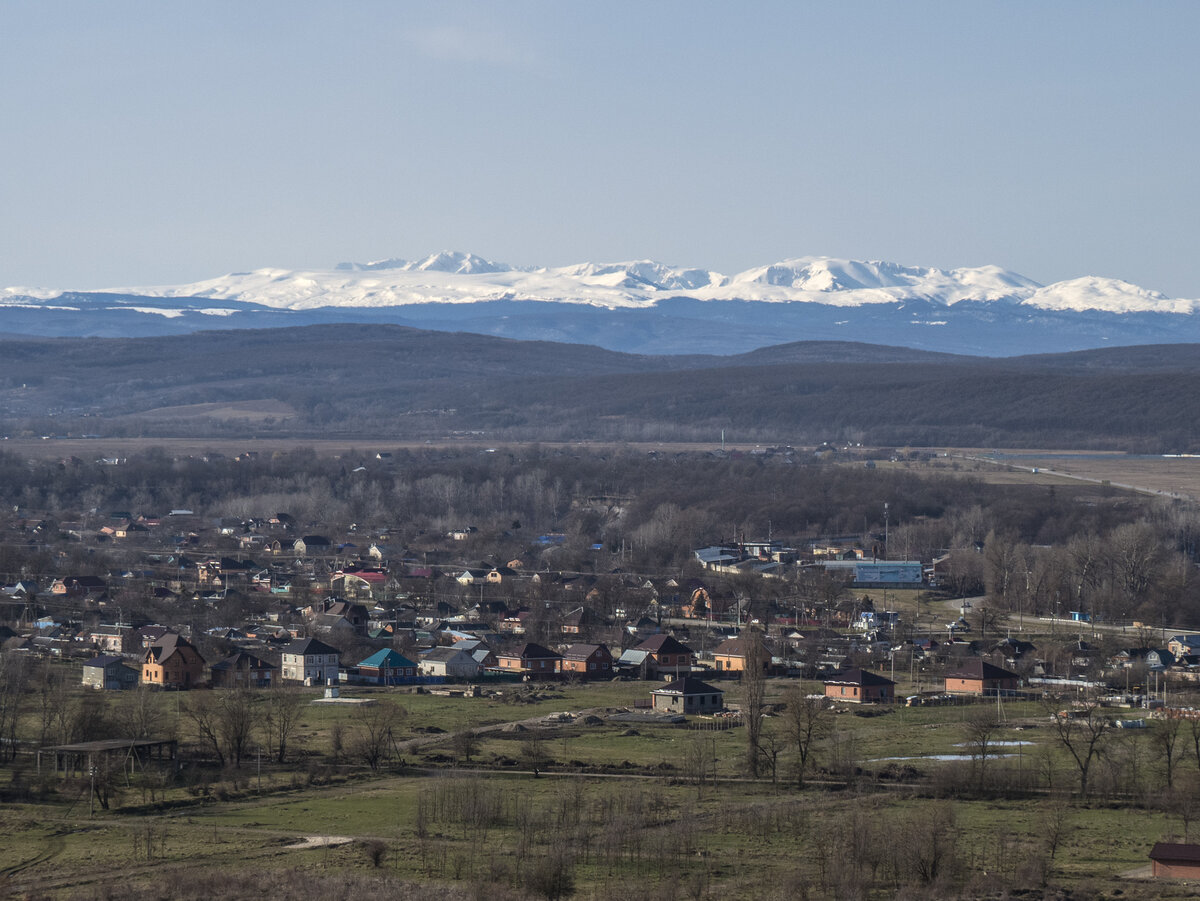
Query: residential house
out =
(575, 621)
(730, 655)
(687, 695)
(78, 586)
(359, 584)
(1179, 645)
(533, 662)
(310, 662)
(172, 661)
(112, 639)
(312, 544)
(242, 670)
(109, 673)
(668, 655)
(588, 661)
(979, 677)
(448, 663)
(387, 667)
(860, 686)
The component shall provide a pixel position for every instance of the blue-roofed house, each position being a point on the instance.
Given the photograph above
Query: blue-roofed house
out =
(387, 667)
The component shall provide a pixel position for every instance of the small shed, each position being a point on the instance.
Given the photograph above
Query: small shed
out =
(1170, 860)
(687, 695)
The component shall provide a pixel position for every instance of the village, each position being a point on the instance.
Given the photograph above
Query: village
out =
(321, 602)
(221, 663)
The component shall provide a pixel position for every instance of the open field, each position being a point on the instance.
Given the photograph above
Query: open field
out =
(621, 806)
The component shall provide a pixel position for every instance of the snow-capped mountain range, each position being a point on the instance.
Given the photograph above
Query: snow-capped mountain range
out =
(643, 306)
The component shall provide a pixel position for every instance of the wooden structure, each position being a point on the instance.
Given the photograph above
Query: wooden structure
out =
(89, 757)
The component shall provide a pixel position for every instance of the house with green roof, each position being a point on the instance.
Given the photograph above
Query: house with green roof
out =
(386, 667)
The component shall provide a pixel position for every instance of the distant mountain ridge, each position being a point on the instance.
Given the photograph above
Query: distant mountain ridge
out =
(360, 381)
(641, 306)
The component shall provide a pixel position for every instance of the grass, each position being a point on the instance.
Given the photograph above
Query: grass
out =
(645, 823)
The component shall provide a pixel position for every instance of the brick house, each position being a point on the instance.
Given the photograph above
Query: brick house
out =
(589, 661)
(533, 661)
(860, 686)
(668, 655)
(978, 677)
(1175, 861)
(172, 662)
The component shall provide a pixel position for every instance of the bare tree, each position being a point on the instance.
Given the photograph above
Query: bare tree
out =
(223, 722)
(806, 721)
(754, 681)
(14, 676)
(696, 760)
(282, 708)
(981, 726)
(1166, 741)
(200, 711)
(140, 714)
(237, 722)
(1083, 733)
(465, 744)
(374, 732)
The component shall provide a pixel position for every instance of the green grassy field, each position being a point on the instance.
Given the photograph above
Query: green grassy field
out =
(619, 808)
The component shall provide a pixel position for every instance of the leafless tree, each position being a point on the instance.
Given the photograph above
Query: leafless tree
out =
(140, 714)
(1053, 825)
(465, 743)
(1166, 741)
(282, 708)
(222, 721)
(754, 681)
(981, 726)
(374, 732)
(1083, 732)
(14, 676)
(806, 721)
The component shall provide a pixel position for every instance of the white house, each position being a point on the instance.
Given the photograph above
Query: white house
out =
(309, 661)
(450, 663)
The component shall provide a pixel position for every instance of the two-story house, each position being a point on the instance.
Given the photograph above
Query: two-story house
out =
(310, 662)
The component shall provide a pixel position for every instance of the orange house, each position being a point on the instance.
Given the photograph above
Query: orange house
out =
(860, 686)
(978, 677)
(730, 655)
(590, 661)
(172, 662)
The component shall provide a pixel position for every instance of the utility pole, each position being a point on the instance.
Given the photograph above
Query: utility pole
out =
(885, 530)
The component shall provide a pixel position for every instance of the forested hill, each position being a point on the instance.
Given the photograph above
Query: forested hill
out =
(392, 381)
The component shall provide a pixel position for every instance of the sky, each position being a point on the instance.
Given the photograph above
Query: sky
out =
(149, 143)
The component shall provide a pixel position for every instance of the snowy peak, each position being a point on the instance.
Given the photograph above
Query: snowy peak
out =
(647, 274)
(826, 275)
(451, 261)
(458, 263)
(455, 277)
(1110, 295)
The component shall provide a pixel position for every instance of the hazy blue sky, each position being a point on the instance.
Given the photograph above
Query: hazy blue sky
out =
(160, 142)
